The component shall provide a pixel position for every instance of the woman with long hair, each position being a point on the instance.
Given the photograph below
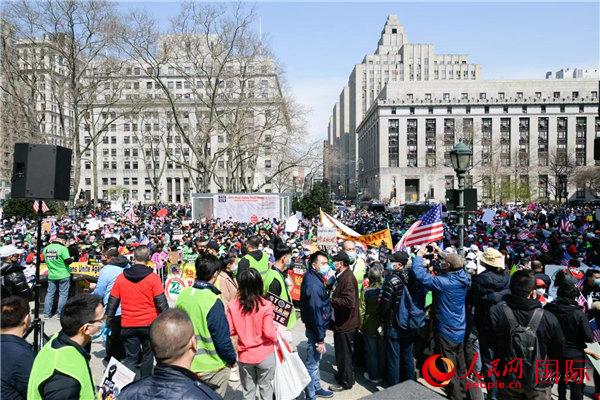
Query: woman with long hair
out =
(250, 318)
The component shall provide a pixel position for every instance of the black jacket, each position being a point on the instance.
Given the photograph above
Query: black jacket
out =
(169, 382)
(390, 297)
(17, 360)
(487, 289)
(14, 282)
(575, 327)
(550, 336)
(60, 386)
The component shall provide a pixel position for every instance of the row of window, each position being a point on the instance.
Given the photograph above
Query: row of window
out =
(501, 95)
(129, 165)
(486, 110)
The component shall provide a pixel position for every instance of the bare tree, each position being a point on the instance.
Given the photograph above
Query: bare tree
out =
(223, 91)
(561, 168)
(588, 177)
(77, 38)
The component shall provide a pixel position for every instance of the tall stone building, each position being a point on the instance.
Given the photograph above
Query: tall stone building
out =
(394, 60)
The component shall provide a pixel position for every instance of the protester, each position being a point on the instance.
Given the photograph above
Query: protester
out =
(522, 309)
(357, 264)
(577, 332)
(346, 311)
(57, 259)
(275, 282)
(399, 341)
(254, 257)
(487, 289)
(251, 319)
(14, 282)
(61, 369)
(450, 289)
(17, 354)
(538, 269)
(315, 312)
(174, 346)
(226, 282)
(140, 293)
(215, 356)
(114, 266)
(371, 320)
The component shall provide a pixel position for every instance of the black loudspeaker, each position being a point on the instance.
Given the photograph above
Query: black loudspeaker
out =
(597, 149)
(470, 199)
(407, 390)
(41, 171)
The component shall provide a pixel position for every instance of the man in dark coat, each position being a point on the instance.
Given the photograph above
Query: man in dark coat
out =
(174, 346)
(14, 282)
(17, 354)
(551, 341)
(346, 312)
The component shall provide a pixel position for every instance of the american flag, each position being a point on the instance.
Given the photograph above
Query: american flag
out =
(524, 234)
(565, 224)
(545, 247)
(53, 232)
(428, 228)
(36, 206)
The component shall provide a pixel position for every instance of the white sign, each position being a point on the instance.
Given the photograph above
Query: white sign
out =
(488, 216)
(326, 236)
(291, 225)
(116, 377)
(246, 207)
(116, 206)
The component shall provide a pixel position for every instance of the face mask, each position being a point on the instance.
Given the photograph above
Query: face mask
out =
(540, 291)
(596, 282)
(324, 269)
(351, 256)
(234, 269)
(100, 332)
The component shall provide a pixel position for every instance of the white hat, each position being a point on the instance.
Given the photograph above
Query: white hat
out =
(9, 250)
(474, 247)
(470, 256)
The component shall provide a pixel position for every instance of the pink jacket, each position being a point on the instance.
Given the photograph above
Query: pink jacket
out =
(255, 331)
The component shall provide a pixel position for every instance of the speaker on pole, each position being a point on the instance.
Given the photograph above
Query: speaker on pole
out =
(41, 172)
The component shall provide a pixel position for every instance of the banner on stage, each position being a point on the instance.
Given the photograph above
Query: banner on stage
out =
(246, 207)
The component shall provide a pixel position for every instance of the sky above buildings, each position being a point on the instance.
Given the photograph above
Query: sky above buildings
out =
(319, 43)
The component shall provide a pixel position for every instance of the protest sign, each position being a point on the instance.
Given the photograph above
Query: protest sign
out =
(173, 287)
(326, 236)
(488, 216)
(291, 225)
(177, 234)
(282, 309)
(116, 377)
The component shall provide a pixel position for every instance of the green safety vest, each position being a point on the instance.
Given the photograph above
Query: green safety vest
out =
(66, 360)
(271, 276)
(197, 304)
(359, 272)
(262, 266)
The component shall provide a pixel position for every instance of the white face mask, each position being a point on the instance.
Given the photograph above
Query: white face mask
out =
(540, 291)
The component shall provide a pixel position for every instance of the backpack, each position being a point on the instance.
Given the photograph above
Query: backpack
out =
(523, 344)
(408, 315)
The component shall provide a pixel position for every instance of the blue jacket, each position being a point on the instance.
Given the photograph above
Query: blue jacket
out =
(315, 307)
(450, 291)
(107, 277)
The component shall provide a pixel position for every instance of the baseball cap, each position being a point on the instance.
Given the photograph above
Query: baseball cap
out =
(9, 250)
(341, 256)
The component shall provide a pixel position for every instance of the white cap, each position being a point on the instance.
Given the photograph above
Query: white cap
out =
(470, 256)
(474, 247)
(9, 250)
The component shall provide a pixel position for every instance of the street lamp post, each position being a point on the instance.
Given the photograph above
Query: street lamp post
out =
(460, 155)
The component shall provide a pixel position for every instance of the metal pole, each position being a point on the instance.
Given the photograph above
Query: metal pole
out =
(461, 213)
(37, 322)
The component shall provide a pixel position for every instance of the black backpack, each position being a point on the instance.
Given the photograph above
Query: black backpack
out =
(523, 344)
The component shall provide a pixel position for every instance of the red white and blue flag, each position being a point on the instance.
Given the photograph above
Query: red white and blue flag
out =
(565, 224)
(53, 232)
(429, 228)
(37, 204)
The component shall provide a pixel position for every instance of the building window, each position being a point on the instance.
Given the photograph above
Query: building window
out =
(501, 95)
(543, 109)
(487, 187)
(486, 109)
(505, 110)
(412, 110)
(430, 110)
(581, 109)
(449, 110)
(562, 109)
(524, 109)
(464, 96)
(556, 95)
(468, 110)
(393, 110)
(482, 96)
(393, 145)
(446, 96)
(411, 142)
(575, 95)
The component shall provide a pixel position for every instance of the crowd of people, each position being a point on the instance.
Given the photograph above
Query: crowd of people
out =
(389, 310)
